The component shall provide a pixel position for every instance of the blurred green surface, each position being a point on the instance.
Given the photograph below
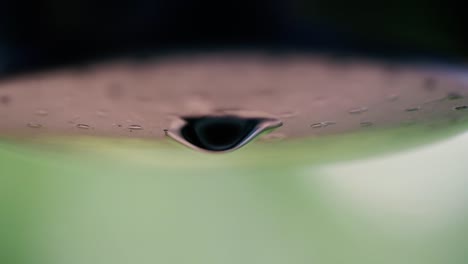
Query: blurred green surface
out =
(382, 196)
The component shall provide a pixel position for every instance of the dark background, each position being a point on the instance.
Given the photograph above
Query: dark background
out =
(38, 34)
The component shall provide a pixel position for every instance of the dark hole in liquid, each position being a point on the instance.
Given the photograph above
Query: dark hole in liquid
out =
(218, 133)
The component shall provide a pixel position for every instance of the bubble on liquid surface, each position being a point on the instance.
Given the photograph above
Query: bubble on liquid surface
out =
(461, 107)
(413, 109)
(288, 114)
(83, 126)
(34, 125)
(366, 124)
(135, 127)
(219, 133)
(454, 96)
(322, 124)
(358, 110)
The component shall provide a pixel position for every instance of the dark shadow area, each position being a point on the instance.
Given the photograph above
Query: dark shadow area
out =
(42, 34)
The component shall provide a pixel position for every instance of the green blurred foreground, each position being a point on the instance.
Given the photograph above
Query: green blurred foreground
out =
(341, 199)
